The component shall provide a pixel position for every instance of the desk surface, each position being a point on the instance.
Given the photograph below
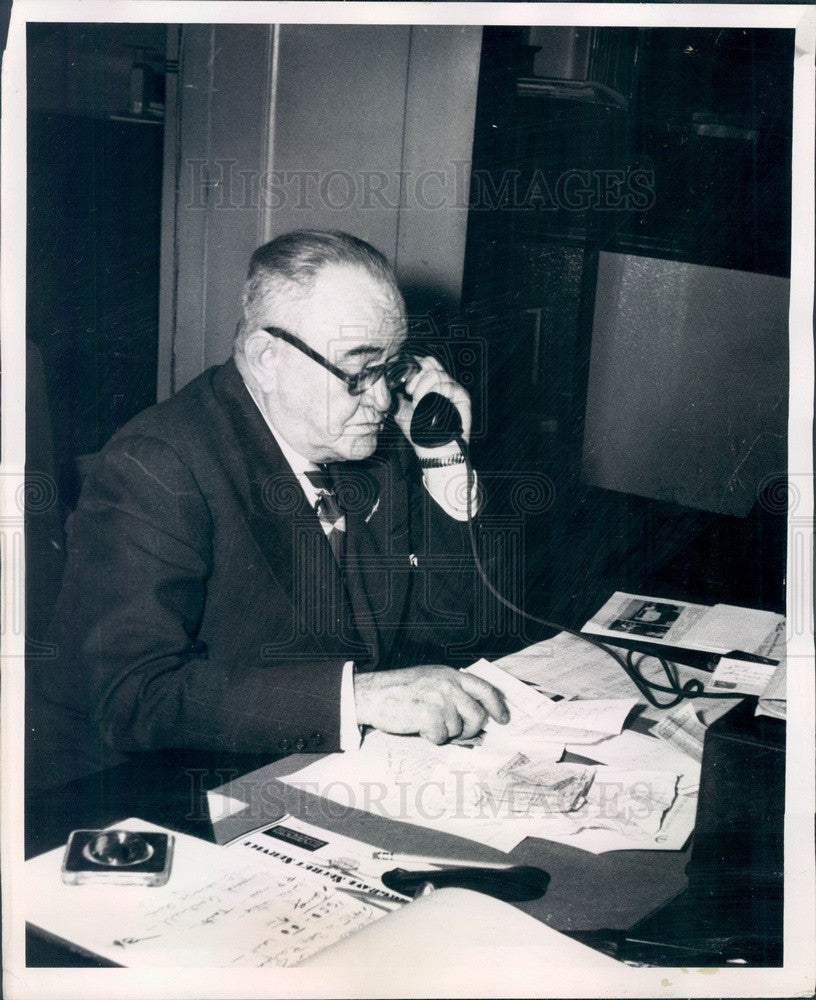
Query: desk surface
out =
(586, 893)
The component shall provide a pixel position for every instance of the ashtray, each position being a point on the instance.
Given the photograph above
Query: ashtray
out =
(117, 857)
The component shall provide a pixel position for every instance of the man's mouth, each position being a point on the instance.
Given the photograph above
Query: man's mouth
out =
(376, 422)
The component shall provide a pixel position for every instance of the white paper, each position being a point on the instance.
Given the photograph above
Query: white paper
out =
(220, 909)
(626, 810)
(637, 751)
(534, 716)
(408, 779)
(740, 676)
(222, 806)
(676, 828)
(682, 729)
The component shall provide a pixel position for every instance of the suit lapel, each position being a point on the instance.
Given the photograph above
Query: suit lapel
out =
(379, 535)
(283, 524)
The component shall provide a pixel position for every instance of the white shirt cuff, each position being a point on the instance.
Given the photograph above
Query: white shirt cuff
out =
(448, 487)
(351, 736)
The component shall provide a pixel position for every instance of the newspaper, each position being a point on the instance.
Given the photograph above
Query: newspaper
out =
(718, 629)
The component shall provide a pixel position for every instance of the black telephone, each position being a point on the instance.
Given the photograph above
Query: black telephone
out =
(435, 422)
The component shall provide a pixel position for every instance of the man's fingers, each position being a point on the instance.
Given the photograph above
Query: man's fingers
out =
(472, 715)
(487, 695)
(445, 723)
(435, 731)
(453, 720)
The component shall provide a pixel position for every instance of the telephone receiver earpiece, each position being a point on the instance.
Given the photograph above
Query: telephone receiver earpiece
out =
(435, 422)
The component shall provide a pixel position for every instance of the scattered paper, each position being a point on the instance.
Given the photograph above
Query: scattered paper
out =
(682, 729)
(535, 717)
(498, 801)
(407, 779)
(740, 676)
(574, 668)
(638, 751)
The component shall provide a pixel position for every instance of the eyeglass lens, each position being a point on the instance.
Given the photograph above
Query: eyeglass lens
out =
(396, 374)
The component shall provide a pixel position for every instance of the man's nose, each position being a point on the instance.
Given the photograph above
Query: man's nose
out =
(380, 394)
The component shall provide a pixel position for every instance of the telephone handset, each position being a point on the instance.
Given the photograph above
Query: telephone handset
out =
(435, 422)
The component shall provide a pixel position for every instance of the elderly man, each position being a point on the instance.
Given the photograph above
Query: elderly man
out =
(265, 562)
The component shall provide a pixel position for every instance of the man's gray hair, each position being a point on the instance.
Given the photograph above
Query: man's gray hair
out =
(289, 266)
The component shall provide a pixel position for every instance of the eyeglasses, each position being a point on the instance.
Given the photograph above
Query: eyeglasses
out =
(396, 373)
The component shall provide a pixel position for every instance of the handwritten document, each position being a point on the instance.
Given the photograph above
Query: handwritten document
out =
(536, 718)
(740, 676)
(220, 908)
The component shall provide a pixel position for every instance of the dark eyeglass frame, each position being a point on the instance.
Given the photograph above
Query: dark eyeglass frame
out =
(396, 372)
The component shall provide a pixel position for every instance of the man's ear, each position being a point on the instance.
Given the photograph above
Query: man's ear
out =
(261, 352)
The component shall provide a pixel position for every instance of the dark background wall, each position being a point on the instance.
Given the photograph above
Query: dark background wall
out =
(668, 144)
(94, 189)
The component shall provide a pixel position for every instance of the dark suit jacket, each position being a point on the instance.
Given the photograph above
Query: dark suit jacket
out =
(201, 605)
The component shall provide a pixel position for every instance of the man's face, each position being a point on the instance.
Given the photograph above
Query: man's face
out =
(355, 322)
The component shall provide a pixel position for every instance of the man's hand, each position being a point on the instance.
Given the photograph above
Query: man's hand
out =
(437, 702)
(432, 377)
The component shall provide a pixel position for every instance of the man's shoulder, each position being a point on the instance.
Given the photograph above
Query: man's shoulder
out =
(187, 419)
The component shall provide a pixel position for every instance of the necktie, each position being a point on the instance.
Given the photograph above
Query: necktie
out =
(351, 542)
(329, 511)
